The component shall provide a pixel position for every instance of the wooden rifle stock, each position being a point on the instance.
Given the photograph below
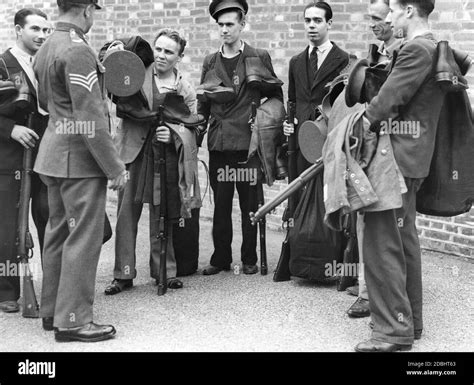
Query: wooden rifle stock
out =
(282, 271)
(350, 232)
(25, 241)
(260, 201)
(163, 220)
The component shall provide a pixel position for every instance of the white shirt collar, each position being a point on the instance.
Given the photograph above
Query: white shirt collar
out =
(241, 49)
(173, 87)
(20, 54)
(321, 48)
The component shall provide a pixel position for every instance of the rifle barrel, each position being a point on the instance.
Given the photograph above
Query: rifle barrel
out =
(292, 188)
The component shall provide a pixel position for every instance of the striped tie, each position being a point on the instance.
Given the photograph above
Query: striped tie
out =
(313, 58)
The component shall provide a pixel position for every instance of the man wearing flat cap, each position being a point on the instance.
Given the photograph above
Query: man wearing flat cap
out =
(229, 132)
(76, 157)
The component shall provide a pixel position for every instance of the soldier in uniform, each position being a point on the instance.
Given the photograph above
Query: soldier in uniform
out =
(75, 159)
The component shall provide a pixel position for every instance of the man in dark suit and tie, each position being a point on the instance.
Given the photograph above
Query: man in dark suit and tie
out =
(32, 29)
(310, 74)
(312, 70)
(392, 255)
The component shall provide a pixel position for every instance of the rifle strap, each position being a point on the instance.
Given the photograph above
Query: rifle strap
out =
(206, 168)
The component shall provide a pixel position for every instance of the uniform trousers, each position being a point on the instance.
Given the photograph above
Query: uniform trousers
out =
(73, 240)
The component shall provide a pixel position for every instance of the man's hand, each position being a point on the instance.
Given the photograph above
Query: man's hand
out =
(163, 134)
(289, 128)
(119, 182)
(23, 135)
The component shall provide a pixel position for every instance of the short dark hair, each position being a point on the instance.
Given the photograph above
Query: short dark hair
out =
(386, 2)
(321, 5)
(239, 12)
(424, 7)
(65, 6)
(173, 35)
(22, 14)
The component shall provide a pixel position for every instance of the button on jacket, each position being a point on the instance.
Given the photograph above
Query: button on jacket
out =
(348, 187)
(77, 142)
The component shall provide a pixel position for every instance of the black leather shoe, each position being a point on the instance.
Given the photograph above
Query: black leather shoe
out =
(90, 332)
(250, 269)
(9, 307)
(353, 290)
(213, 90)
(134, 108)
(48, 323)
(211, 270)
(448, 75)
(258, 76)
(174, 283)
(374, 346)
(118, 285)
(359, 309)
(417, 333)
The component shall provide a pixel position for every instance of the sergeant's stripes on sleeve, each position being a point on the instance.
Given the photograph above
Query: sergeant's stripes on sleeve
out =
(84, 81)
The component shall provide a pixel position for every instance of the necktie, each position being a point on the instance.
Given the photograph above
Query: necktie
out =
(313, 58)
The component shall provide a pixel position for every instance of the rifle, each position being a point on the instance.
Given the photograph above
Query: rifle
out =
(282, 271)
(25, 241)
(350, 232)
(292, 188)
(311, 146)
(260, 201)
(163, 221)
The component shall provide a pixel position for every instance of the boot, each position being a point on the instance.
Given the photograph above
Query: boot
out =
(258, 76)
(374, 79)
(176, 111)
(132, 107)
(281, 162)
(448, 74)
(212, 90)
(373, 55)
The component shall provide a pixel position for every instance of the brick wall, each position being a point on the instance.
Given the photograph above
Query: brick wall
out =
(276, 25)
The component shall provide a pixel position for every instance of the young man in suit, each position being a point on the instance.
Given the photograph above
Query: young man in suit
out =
(310, 74)
(313, 69)
(32, 29)
(132, 138)
(229, 134)
(392, 255)
(75, 158)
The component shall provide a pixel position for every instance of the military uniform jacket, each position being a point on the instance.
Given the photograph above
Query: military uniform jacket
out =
(77, 142)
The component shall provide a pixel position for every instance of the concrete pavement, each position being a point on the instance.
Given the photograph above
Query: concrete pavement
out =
(234, 312)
